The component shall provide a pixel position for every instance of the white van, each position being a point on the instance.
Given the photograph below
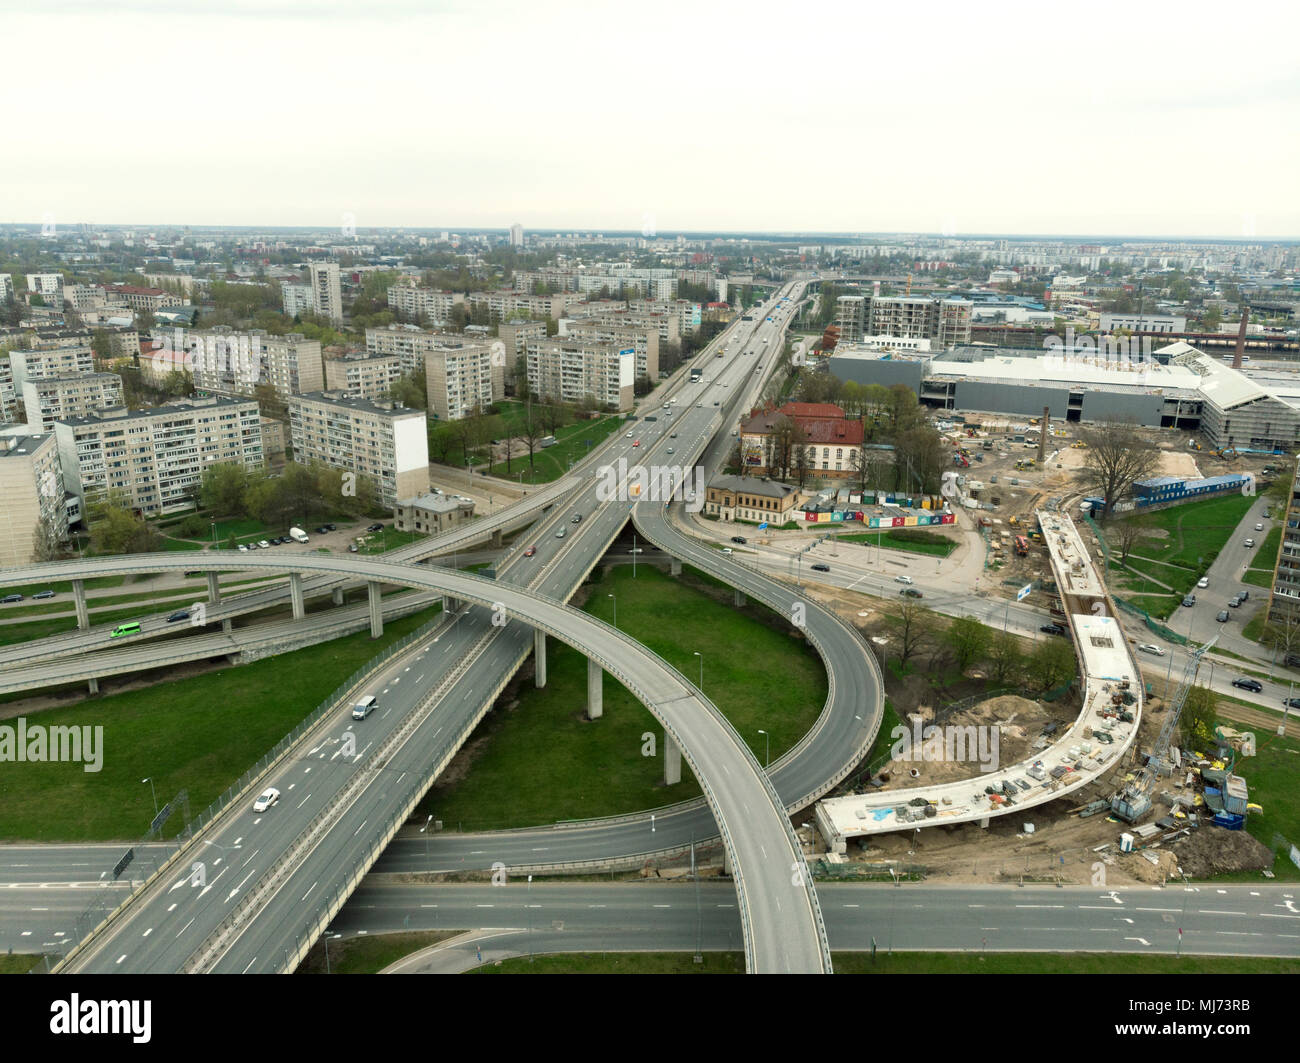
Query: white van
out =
(298, 535)
(364, 707)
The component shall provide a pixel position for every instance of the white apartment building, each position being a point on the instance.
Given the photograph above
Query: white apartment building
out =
(644, 340)
(156, 456)
(462, 377)
(516, 235)
(31, 495)
(50, 361)
(688, 314)
(570, 370)
(515, 337)
(668, 326)
(326, 293)
(228, 362)
(56, 398)
(414, 303)
(363, 376)
(500, 305)
(6, 287)
(381, 440)
(297, 299)
(45, 284)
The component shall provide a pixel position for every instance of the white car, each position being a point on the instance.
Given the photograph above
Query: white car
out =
(902, 579)
(1259, 527)
(1204, 581)
(629, 435)
(726, 549)
(1155, 651)
(1250, 542)
(269, 797)
(243, 547)
(263, 545)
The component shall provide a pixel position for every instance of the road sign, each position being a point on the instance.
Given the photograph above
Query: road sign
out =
(121, 865)
(161, 818)
(1023, 593)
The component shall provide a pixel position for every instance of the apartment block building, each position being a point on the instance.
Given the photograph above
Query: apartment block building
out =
(6, 287)
(155, 456)
(852, 317)
(462, 377)
(56, 398)
(1284, 595)
(45, 284)
(326, 291)
(363, 375)
(139, 299)
(945, 321)
(32, 496)
(688, 314)
(500, 305)
(408, 342)
(515, 337)
(381, 440)
(297, 299)
(414, 303)
(570, 370)
(644, 340)
(47, 361)
(228, 362)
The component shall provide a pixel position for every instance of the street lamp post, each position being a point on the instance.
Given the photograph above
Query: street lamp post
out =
(327, 950)
(426, 836)
(701, 657)
(615, 610)
(767, 741)
(153, 792)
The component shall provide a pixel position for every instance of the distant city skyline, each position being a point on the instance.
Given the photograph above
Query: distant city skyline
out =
(1149, 120)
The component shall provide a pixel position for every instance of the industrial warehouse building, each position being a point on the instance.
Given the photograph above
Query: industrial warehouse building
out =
(1175, 387)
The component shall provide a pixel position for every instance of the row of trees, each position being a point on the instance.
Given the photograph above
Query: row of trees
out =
(302, 493)
(519, 432)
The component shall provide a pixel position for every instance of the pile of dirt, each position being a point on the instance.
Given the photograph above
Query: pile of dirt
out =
(1140, 867)
(1213, 850)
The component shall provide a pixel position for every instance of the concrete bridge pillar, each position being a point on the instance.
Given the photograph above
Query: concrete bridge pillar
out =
(376, 613)
(295, 595)
(726, 861)
(336, 595)
(496, 538)
(227, 626)
(672, 761)
(79, 599)
(675, 567)
(214, 588)
(539, 657)
(595, 689)
(739, 597)
(94, 685)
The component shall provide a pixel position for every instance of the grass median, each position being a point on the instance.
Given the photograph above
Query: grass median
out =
(539, 760)
(200, 733)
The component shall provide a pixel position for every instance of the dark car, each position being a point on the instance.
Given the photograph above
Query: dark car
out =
(1189, 601)
(739, 539)
(1222, 615)
(1053, 629)
(910, 592)
(180, 614)
(42, 594)
(1245, 595)
(1253, 685)
(577, 519)
(11, 598)
(353, 548)
(321, 530)
(1234, 601)
(1292, 660)
(331, 527)
(821, 567)
(375, 527)
(1291, 703)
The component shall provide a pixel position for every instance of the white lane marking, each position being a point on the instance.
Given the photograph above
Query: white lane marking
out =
(119, 959)
(1211, 912)
(250, 964)
(185, 927)
(147, 933)
(304, 800)
(308, 893)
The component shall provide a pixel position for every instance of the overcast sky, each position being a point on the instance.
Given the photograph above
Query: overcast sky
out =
(1130, 118)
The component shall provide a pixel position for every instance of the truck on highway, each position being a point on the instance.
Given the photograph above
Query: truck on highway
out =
(298, 535)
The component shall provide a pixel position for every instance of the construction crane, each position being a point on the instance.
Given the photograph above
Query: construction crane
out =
(1134, 800)
(909, 285)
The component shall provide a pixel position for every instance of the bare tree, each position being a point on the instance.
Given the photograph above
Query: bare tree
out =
(1129, 532)
(1005, 658)
(531, 431)
(1118, 454)
(913, 624)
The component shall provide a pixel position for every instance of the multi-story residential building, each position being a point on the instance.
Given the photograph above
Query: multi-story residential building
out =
(668, 326)
(414, 303)
(297, 299)
(83, 297)
(363, 375)
(946, 321)
(572, 370)
(227, 362)
(499, 305)
(412, 345)
(6, 287)
(431, 514)
(8, 393)
(326, 293)
(851, 317)
(688, 314)
(32, 497)
(462, 377)
(41, 362)
(155, 457)
(139, 299)
(1284, 595)
(56, 398)
(516, 235)
(45, 284)
(381, 440)
(515, 337)
(954, 324)
(642, 339)
(272, 438)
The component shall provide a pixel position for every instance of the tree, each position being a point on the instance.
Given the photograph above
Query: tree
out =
(1200, 714)
(531, 431)
(1118, 454)
(411, 390)
(1005, 658)
(442, 441)
(913, 626)
(1129, 532)
(786, 437)
(554, 415)
(223, 488)
(116, 529)
(969, 640)
(1052, 663)
(269, 403)
(45, 542)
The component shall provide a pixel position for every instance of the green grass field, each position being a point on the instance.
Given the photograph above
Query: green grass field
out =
(553, 462)
(369, 954)
(900, 963)
(201, 733)
(934, 544)
(542, 761)
(389, 539)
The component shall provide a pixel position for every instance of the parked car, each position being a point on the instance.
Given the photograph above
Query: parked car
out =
(180, 614)
(1253, 685)
(269, 797)
(1053, 629)
(243, 548)
(821, 567)
(375, 527)
(334, 527)
(1189, 601)
(1204, 581)
(1222, 616)
(263, 545)
(353, 548)
(320, 530)
(1245, 595)
(1151, 648)
(910, 592)
(1234, 601)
